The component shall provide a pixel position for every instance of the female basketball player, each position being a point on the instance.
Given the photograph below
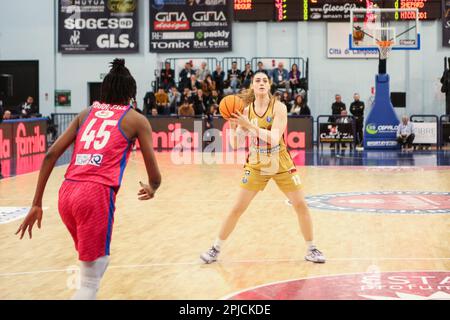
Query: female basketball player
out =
(103, 136)
(265, 119)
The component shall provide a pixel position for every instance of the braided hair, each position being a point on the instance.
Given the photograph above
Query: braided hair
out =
(119, 86)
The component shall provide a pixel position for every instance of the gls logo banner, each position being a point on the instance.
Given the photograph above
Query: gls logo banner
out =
(89, 26)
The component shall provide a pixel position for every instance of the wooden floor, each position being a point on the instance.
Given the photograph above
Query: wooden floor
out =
(156, 244)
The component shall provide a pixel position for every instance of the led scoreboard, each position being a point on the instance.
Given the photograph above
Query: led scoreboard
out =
(326, 10)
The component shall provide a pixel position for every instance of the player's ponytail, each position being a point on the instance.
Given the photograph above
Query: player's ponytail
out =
(119, 86)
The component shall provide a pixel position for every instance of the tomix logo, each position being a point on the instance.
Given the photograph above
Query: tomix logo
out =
(171, 45)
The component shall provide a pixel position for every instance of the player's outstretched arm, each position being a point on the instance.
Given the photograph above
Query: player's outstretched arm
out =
(144, 136)
(55, 151)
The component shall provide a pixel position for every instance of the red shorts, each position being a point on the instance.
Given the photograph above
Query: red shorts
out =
(87, 210)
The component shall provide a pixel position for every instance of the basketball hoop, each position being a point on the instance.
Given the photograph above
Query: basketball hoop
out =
(385, 48)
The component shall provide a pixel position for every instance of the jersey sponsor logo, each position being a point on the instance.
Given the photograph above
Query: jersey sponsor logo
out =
(269, 119)
(389, 202)
(89, 159)
(104, 114)
(371, 285)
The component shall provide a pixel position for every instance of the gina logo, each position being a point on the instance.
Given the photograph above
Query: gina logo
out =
(104, 114)
(122, 6)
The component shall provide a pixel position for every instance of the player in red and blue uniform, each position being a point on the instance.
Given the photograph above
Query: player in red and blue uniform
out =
(103, 135)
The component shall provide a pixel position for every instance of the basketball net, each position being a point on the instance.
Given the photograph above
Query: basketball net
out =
(385, 48)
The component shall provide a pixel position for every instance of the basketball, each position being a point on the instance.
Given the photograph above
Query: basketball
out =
(229, 105)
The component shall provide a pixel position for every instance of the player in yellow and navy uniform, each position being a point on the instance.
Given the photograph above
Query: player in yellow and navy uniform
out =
(265, 120)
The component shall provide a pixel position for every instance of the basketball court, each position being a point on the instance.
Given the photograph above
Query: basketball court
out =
(381, 214)
(388, 222)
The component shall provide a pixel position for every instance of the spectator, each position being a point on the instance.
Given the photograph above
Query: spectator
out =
(186, 109)
(343, 119)
(154, 113)
(280, 77)
(174, 100)
(233, 78)
(286, 99)
(167, 77)
(261, 68)
(337, 107)
(203, 72)
(277, 95)
(193, 84)
(215, 98)
(28, 108)
(135, 106)
(218, 77)
(7, 115)
(200, 103)
(246, 76)
(357, 110)
(405, 135)
(162, 102)
(208, 85)
(294, 78)
(185, 76)
(149, 102)
(300, 107)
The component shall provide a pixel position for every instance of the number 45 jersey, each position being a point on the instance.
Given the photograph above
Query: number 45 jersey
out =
(101, 148)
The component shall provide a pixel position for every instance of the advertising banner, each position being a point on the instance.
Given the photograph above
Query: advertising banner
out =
(98, 26)
(190, 26)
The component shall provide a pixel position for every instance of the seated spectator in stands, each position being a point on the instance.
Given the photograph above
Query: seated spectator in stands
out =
(202, 72)
(214, 110)
(162, 102)
(277, 95)
(187, 95)
(154, 113)
(261, 68)
(280, 78)
(135, 106)
(200, 103)
(337, 107)
(186, 110)
(149, 102)
(215, 97)
(219, 78)
(299, 107)
(294, 78)
(193, 84)
(7, 115)
(174, 100)
(405, 135)
(233, 78)
(286, 99)
(208, 85)
(28, 108)
(167, 77)
(246, 76)
(185, 76)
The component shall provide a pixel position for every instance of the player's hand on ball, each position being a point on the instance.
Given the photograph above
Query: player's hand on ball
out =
(241, 120)
(35, 214)
(146, 193)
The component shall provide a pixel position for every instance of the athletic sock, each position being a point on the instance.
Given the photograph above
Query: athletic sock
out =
(311, 246)
(218, 244)
(91, 275)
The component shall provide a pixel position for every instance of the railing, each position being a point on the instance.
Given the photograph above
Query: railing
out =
(60, 122)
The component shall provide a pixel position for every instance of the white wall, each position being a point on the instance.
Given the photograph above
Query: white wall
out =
(27, 33)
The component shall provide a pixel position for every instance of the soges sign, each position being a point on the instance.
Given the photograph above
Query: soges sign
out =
(195, 26)
(98, 26)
